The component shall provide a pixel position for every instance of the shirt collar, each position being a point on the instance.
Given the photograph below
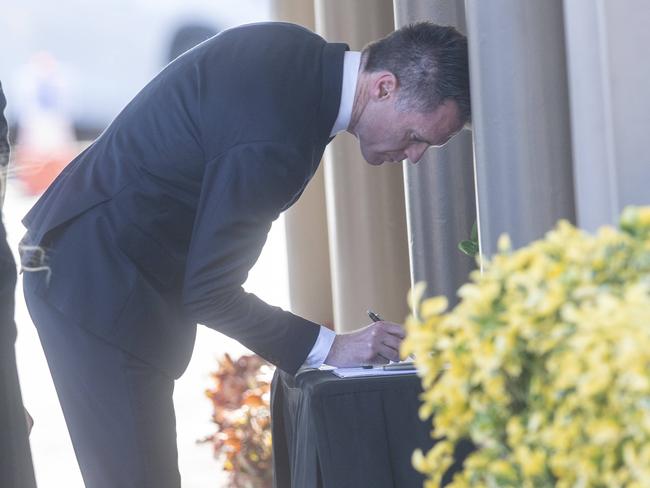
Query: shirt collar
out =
(351, 63)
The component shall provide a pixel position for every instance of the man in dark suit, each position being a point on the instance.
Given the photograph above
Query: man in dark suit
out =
(155, 226)
(15, 457)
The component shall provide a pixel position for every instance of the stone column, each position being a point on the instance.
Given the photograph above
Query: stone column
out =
(365, 205)
(610, 106)
(520, 118)
(440, 196)
(308, 261)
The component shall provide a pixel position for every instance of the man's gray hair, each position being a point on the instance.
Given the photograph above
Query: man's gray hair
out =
(430, 63)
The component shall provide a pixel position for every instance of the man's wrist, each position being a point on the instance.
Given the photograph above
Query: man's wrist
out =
(321, 348)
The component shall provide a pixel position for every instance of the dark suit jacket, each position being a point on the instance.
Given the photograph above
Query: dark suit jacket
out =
(7, 264)
(15, 456)
(155, 226)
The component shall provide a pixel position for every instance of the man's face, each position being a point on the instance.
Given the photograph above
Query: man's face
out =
(388, 134)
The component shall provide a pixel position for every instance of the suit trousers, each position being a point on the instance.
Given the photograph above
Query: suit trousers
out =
(118, 408)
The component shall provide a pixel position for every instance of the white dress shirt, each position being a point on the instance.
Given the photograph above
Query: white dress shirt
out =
(351, 63)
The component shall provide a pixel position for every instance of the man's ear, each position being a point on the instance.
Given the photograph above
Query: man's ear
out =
(384, 85)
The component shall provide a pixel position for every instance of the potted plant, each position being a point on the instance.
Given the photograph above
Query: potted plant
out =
(544, 363)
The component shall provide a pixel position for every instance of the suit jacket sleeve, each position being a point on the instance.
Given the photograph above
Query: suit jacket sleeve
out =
(242, 192)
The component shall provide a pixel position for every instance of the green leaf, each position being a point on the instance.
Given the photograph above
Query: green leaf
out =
(474, 234)
(468, 247)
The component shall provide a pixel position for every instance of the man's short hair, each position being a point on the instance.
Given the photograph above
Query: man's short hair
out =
(430, 63)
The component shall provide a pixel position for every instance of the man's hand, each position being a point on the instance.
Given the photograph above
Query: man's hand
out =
(377, 343)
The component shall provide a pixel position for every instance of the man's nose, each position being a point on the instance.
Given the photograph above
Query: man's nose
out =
(414, 153)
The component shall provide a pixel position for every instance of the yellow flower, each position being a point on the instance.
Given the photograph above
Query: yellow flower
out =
(504, 244)
(604, 431)
(415, 295)
(503, 469)
(544, 362)
(515, 430)
(433, 306)
(532, 462)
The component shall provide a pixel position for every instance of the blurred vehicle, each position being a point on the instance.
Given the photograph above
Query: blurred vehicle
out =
(106, 50)
(68, 67)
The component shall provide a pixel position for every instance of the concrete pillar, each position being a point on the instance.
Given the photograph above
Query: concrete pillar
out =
(308, 261)
(294, 11)
(365, 205)
(520, 118)
(610, 106)
(440, 196)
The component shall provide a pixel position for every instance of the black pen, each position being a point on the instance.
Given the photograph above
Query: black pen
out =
(374, 317)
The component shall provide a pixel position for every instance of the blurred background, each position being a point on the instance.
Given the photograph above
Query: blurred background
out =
(67, 68)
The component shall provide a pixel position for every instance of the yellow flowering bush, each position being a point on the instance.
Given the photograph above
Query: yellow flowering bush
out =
(544, 363)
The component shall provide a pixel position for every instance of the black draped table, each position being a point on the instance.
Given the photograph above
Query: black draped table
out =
(333, 432)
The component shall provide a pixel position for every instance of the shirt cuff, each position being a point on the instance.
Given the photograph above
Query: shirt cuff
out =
(321, 348)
